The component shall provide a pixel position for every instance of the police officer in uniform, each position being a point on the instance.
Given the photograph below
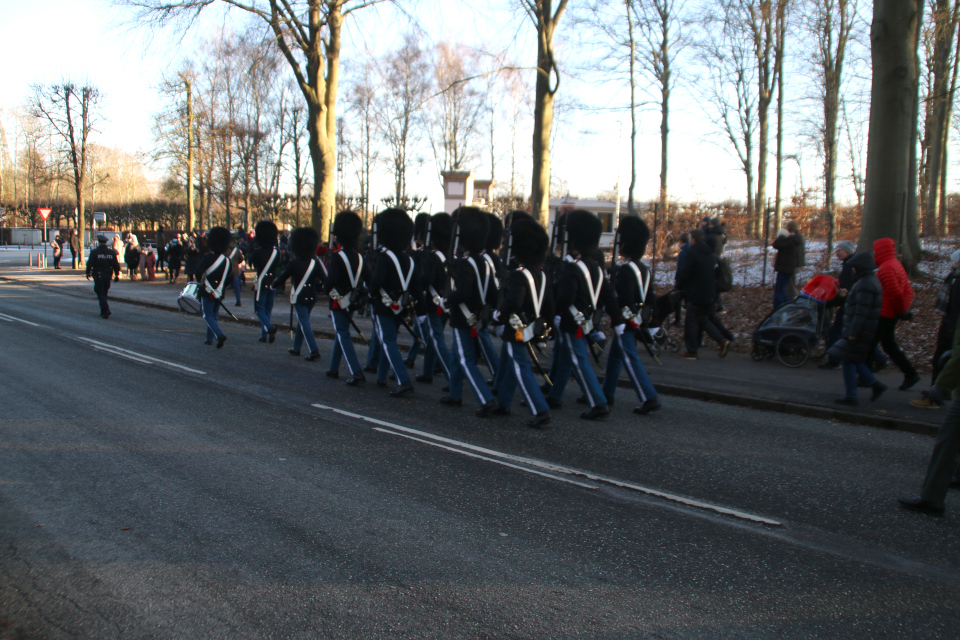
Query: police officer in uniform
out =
(104, 265)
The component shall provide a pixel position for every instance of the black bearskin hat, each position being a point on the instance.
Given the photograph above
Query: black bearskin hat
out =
(473, 225)
(347, 226)
(583, 231)
(420, 224)
(440, 225)
(394, 229)
(495, 235)
(218, 239)
(266, 233)
(516, 216)
(529, 242)
(634, 236)
(304, 242)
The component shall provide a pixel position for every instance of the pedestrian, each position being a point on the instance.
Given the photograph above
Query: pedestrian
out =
(342, 285)
(788, 244)
(390, 286)
(632, 283)
(174, 254)
(434, 280)
(675, 297)
(191, 254)
(948, 306)
(522, 318)
(699, 283)
(213, 272)
(57, 245)
(266, 262)
(843, 252)
(161, 249)
(306, 277)
(584, 290)
(118, 245)
(131, 257)
(943, 461)
(74, 248)
(150, 263)
(470, 293)
(861, 318)
(103, 265)
(897, 298)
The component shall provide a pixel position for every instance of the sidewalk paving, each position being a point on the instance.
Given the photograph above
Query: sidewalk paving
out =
(737, 379)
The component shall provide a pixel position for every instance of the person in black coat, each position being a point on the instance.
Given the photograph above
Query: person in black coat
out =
(343, 287)
(103, 264)
(632, 283)
(266, 262)
(472, 290)
(174, 255)
(699, 283)
(306, 276)
(861, 316)
(431, 316)
(522, 316)
(391, 287)
(789, 244)
(583, 289)
(213, 272)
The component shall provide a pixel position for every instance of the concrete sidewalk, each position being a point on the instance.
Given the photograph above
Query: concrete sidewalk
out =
(736, 380)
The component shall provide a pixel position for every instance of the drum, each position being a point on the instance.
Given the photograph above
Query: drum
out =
(189, 299)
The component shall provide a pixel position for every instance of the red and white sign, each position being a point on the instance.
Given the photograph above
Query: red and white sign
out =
(44, 213)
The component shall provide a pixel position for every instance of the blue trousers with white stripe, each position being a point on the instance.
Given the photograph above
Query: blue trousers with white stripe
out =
(211, 309)
(388, 326)
(623, 353)
(305, 331)
(263, 306)
(519, 372)
(440, 351)
(465, 366)
(485, 338)
(573, 358)
(343, 346)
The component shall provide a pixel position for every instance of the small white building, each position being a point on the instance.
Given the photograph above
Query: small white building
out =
(462, 189)
(606, 210)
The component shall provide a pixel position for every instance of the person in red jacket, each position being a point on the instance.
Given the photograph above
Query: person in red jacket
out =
(897, 298)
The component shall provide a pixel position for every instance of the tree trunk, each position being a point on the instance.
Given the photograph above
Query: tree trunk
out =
(191, 212)
(893, 37)
(778, 69)
(943, 56)
(942, 225)
(664, 114)
(633, 118)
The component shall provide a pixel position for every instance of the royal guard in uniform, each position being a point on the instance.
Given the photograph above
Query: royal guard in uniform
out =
(213, 273)
(343, 285)
(434, 282)
(266, 262)
(306, 277)
(631, 279)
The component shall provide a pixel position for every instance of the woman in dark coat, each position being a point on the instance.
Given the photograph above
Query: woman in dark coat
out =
(861, 315)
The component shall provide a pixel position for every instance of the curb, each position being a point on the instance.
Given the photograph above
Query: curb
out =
(763, 404)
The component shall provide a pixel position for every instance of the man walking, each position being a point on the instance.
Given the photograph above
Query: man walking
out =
(897, 298)
(74, 248)
(103, 264)
(789, 244)
(699, 283)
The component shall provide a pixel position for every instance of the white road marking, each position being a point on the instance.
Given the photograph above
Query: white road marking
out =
(138, 357)
(479, 457)
(460, 447)
(4, 316)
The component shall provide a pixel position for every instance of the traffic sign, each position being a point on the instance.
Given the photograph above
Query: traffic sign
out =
(44, 213)
(99, 216)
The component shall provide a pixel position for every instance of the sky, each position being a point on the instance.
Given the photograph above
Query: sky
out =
(92, 40)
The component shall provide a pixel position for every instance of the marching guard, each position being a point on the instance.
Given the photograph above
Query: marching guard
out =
(434, 283)
(306, 276)
(212, 273)
(631, 280)
(345, 270)
(266, 262)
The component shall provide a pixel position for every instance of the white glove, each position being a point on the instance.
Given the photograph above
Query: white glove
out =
(579, 319)
(496, 315)
(618, 329)
(556, 322)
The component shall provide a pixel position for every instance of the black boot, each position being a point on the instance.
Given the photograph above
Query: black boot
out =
(404, 389)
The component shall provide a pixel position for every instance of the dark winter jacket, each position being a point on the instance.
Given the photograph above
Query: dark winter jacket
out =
(131, 256)
(699, 276)
(897, 292)
(571, 290)
(861, 313)
(295, 271)
(103, 264)
(339, 278)
(681, 260)
(466, 290)
(788, 253)
(174, 254)
(518, 300)
(384, 276)
(950, 310)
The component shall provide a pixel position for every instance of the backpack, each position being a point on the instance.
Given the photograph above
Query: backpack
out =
(724, 275)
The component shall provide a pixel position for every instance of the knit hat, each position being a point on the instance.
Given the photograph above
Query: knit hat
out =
(847, 246)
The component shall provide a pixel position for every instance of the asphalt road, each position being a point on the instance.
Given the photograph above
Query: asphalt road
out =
(155, 487)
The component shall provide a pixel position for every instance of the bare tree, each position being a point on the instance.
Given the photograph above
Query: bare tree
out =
(830, 22)
(405, 81)
(365, 151)
(72, 112)
(309, 35)
(546, 18)
(453, 117)
(892, 115)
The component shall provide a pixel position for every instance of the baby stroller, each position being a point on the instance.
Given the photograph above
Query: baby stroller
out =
(795, 328)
